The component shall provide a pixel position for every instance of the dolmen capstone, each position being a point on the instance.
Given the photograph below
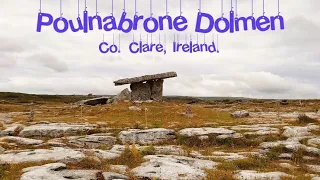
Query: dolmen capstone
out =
(147, 87)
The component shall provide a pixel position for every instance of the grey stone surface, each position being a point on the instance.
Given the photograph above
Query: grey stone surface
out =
(95, 141)
(145, 78)
(140, 91)
(240, 114)
(156, 89)
(253, 175)
(55, 154)
(54, 130)
(122, 96)
(59, 171)
(148, 136)
(169, 167)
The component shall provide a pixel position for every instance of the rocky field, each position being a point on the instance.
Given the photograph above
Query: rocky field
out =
(242, 139)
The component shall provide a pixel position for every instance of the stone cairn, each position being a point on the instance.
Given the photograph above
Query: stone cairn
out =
(148, 87)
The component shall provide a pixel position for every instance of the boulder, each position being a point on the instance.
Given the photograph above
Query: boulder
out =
(54, 154)
(122, 96)
(240, 114)
(54, 130)
(167, 167)
(148, 136)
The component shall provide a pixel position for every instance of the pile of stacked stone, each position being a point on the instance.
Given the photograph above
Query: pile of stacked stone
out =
(147, 87)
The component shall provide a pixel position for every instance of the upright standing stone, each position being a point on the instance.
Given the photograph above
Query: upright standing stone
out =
(156, 89)
(140, 91)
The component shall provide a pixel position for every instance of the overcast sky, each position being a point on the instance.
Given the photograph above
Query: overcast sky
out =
(273, 64)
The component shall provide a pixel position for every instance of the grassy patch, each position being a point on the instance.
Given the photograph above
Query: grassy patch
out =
(150, 150)
(14, 171)
(130, 157)
(304, 119)
(250, 163)
(219, 175)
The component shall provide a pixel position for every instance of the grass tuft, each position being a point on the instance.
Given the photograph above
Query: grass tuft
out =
(304, 119)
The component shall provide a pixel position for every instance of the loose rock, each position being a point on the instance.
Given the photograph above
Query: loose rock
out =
(240, 114)
(134, 108)
(122, 96)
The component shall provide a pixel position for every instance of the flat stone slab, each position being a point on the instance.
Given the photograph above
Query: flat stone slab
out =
(253, 175)
(219, 155)
(54, 154)
(59, 171)
(20, 140)
(93, 141)
(299, 131)
(54, 130)
(189, 132)
(290, 145)
(167, 167)
(257, 129)
(148, 136)
(94, 101)
(145, 78)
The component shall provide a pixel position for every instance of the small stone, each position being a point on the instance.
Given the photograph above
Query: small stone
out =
(203, 137)
(134, 108)
(287, 166)
(240, 114)
(119, 168)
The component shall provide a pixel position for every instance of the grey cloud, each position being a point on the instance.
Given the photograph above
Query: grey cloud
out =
(48, 60)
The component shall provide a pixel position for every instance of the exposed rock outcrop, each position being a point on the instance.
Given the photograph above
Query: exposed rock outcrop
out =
(148, 136)
(169, 167)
